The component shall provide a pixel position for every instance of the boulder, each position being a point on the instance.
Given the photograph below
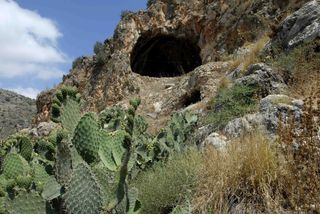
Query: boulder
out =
(215, 140)
(274, 109)
(45, 128)
(262, 76)
(302, 26)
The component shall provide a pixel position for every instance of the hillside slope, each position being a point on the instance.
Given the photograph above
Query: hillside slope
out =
(16, 112)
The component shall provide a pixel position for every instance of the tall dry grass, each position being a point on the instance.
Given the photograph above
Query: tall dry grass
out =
(252, 56)
(241, 177)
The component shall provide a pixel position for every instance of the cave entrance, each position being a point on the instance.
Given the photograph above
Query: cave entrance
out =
(164, 56)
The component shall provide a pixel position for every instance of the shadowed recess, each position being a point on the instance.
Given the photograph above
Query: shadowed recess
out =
(164, 56)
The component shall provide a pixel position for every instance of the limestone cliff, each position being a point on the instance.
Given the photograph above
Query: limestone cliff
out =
(172, 55)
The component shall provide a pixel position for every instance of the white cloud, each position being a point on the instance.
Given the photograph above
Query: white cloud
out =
(28, 43)
(27, 92)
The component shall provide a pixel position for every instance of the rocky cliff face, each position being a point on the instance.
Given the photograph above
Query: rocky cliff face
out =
(16, 112)
(171, 55)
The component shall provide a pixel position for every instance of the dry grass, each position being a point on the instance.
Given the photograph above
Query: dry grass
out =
(239, 177)
(252, 56)
(302, 68)
(255, 176)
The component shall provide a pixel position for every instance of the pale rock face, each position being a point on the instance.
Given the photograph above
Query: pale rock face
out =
(274, 109)
(212, 27)
(301, 26)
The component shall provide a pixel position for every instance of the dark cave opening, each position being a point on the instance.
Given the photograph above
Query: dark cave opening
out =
(164, 56)
(191, 98)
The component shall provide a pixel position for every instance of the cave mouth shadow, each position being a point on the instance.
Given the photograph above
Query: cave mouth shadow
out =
(164, 56)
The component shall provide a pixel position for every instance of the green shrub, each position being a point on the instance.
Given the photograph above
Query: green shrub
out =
(164, 186)
(231, 103)
(76, 62)
(100, 50)
(150, 2)
(125, 13)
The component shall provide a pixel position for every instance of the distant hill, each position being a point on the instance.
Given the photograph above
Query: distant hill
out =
(16, 112)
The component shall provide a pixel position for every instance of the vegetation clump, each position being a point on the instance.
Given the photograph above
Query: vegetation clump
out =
(231, 103)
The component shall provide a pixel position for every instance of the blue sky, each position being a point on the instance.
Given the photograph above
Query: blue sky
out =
(40, 38)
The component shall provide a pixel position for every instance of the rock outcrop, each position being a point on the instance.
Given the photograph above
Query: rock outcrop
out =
(209, 30)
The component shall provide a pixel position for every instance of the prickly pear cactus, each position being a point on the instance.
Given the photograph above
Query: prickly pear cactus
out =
(51, 189)
(26, 203)
(24, 181)
(40, 176)
(87, 138)
(15, 165)
(70, 115)
(111, 149)
(113, 119)
(60, 106)
(84, 194)
(2, 205)
(26, 147)
(63, 164)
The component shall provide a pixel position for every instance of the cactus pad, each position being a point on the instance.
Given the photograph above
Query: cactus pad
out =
(111, 149)
(86, 137)
(63, 163)
(51, 189)
(26, 203)
(26, 147)
(15, 165)
(40, 176)
(84, 193)
(70, 115)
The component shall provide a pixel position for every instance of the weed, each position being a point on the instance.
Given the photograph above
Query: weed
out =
(167, 184)
(231, 103)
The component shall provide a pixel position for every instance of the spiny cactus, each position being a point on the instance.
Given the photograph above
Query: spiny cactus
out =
(15, 165)
(63, 164)
(111, 149)
(2, 205)
(173, 137)
(26, 147)
(61, 103)
(70, 115)
(113, 119)
(51, 189)
(26, 203)
(40, 176)
(87, 137)
(84, 194)
(24, 181)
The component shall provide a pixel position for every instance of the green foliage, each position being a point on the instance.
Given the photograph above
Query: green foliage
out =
(66, 107)
(84, 193)
(77, 62)
(24, 181)
(164, 186)
(173, 137)
(71, 115)
(2, 205)
(40, 176)
(51, 189)
(231, 103)
(111, 149)
(125, 13)
(26, 147)
(101, 51)
(15, 165)
(63, 164)
(87, 137)
(26, 203)
(150, 2)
